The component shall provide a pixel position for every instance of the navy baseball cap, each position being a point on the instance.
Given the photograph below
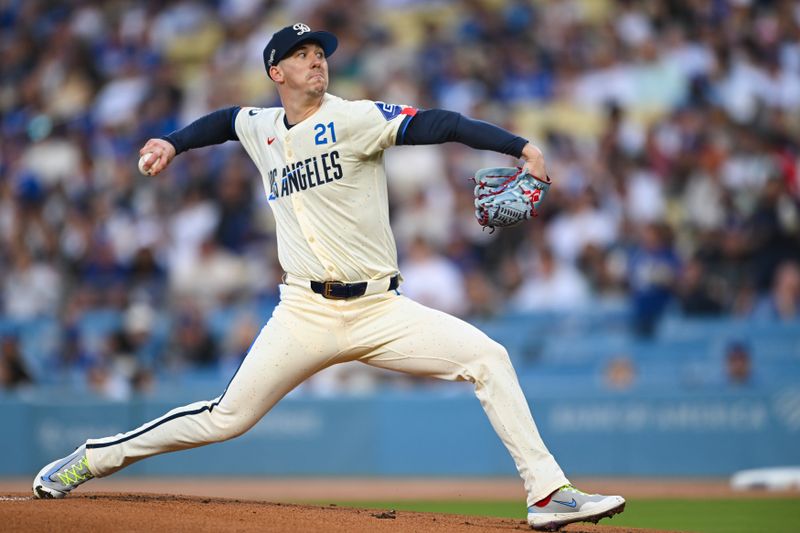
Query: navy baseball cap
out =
(288, 38)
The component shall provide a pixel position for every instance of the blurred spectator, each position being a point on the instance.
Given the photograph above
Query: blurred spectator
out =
(738, 365)
(604, 271)
(775, 227)
(583, 224)
(236, 342)
(148, 279)
(551, 287)
(143, 382)
(619, 373)
(106, 382)
(191, 342)
(13, 373)
(783, 300)
(214, 276)
(99, 268)
(235, 227)
(190, 227)
(432, 279)
(136, 339)
(622, 138)
(413, 218)
(652, 272)
(645, 200)
(31, 288)
(696, 292)
(483, 297)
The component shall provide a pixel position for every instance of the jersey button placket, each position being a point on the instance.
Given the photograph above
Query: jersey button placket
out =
(299, 209)
(287, 149)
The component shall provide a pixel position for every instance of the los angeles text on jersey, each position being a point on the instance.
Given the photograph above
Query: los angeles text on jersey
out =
(302, 175)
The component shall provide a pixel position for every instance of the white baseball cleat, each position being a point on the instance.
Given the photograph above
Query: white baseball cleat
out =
(568, 505)
(58, 478)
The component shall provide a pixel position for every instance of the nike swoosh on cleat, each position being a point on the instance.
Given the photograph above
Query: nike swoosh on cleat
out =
(573, 503)
(56, 468)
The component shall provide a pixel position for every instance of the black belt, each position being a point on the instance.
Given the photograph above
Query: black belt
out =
(338, 290)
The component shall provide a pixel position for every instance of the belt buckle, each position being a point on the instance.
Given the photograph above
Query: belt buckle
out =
(327, 287)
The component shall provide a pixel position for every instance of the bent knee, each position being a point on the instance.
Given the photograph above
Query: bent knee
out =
(491, 359)
(496, 353)
(229, 425)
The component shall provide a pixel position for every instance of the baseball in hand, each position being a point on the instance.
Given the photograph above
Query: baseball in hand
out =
(144, 159)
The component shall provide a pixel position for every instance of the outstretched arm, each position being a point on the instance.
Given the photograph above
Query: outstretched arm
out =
(214, 128)
(436, 126)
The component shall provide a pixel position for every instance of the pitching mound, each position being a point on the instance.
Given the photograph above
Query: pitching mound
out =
(102, 512)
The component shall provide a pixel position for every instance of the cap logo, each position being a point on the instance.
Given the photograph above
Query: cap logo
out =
(272, 56)
(301, 28)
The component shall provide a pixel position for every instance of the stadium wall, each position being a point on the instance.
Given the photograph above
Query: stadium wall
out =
(655, 434)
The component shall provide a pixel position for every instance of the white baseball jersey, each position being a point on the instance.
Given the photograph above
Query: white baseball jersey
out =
(326, 184)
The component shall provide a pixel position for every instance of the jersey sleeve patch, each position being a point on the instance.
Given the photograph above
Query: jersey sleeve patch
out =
(390, 111)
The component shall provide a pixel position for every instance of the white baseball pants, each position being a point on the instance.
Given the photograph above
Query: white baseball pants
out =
(307, 333)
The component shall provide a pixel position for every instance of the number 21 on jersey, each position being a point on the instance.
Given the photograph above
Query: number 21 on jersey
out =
(324, 133)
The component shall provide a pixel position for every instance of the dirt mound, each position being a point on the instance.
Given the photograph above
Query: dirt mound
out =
(102, 512)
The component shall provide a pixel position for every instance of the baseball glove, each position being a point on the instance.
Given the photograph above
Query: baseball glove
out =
(505, 196)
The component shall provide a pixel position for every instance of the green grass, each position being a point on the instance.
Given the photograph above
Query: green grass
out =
(776, 515)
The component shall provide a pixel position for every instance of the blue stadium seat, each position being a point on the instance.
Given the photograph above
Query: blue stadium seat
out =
(95, 325)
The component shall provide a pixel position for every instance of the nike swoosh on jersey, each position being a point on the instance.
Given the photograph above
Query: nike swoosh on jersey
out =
(270, 140)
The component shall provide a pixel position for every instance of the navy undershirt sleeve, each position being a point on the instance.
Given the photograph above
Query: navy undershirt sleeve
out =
(436, 126)
(214, 128)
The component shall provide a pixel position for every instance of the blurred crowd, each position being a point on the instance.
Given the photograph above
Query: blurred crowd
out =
(671, 130)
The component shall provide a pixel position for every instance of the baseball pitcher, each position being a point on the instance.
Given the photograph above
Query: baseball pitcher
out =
(321, 163)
